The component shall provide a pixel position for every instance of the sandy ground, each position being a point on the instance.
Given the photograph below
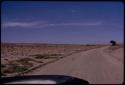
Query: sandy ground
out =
(118, 54)
(95, 66)
(13, 52)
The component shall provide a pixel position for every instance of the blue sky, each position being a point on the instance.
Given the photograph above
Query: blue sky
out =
(62, 22)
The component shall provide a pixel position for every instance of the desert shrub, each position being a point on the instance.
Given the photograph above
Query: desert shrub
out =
(55, 55)
(25, 62)
(46, 56)
(15, 68)
(49, 57)
(40, 57)
(20, 68)
(26, 59)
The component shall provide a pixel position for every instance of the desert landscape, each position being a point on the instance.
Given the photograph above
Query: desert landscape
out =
(19, 57)
(78, 39)
(102, 65)
(95, 63)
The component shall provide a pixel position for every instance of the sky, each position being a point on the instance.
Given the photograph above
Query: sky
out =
(62, 22)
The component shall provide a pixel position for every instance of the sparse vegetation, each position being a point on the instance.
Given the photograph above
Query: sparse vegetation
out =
(25, 62)
(33, 55)
(40, 56)
(14, 68)
(19, 68)
(46, 56)
(54, 54)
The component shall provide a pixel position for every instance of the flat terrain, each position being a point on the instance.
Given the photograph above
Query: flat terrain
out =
(18, 58)
(98, 66)
(94, 63)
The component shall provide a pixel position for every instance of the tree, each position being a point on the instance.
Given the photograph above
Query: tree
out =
(113, 42)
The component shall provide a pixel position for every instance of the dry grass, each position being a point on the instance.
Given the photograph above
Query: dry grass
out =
(20, 57)
(46, 56)
(13, 68)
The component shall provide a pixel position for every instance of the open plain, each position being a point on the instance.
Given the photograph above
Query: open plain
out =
(102, 64)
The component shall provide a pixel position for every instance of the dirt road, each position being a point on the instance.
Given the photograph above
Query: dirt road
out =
(95, 66)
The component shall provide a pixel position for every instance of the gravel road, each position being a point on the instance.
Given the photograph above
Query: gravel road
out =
(95, 66)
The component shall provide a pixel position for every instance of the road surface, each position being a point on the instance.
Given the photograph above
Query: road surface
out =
(96, 66)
